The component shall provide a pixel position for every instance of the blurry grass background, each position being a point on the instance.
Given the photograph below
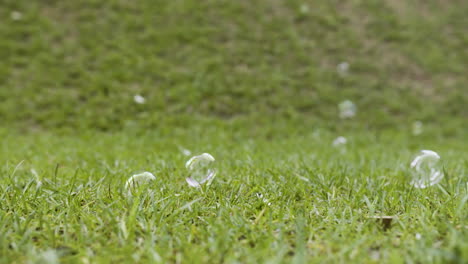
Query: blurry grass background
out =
(68, 65)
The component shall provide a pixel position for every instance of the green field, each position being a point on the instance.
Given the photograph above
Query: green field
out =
(256, 84)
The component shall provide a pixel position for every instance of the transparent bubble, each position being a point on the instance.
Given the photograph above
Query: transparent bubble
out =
(417, 128)
(342, 68)
(139, 99)
(15, 15)
(201, 169)
(304, 9)
(426, 169)
(339, 141)
(347, 109)
(186, 152)
(139, 179)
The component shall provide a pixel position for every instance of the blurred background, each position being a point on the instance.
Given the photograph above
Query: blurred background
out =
(151, 64)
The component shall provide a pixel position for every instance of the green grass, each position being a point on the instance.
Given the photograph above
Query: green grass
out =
(231, 60)
(321, 200)
(255, 84)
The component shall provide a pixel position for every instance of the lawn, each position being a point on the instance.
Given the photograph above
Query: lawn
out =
(93, 92)
(286, 199)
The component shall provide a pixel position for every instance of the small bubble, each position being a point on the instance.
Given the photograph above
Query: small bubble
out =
(139, 179)
(342, 68)
(139, 99)
(425, 169)
(201, 169)
(347, 109)
(15, 15)
(339, 141)
(417, 128)
(304, 9)
(185, 151)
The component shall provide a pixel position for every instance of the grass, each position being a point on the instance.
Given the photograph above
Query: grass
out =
(255, 84)
(231, 60)
(287, 199)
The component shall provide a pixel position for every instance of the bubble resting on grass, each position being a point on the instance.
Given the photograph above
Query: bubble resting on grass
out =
(185, 151)
(425, 173)
(417, 128)
(139, 99)
(15, 15)
(200, 170)
(342, 68)
(304, 9)
(339, 141)
(139, 179)
(347, 109)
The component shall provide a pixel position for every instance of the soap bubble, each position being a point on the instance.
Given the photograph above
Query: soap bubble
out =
(339, 141)
(139, 99)
(342, 68)
(347, 109)
(139, 179)
(417, 128)
(425, 170)
(200, 170)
